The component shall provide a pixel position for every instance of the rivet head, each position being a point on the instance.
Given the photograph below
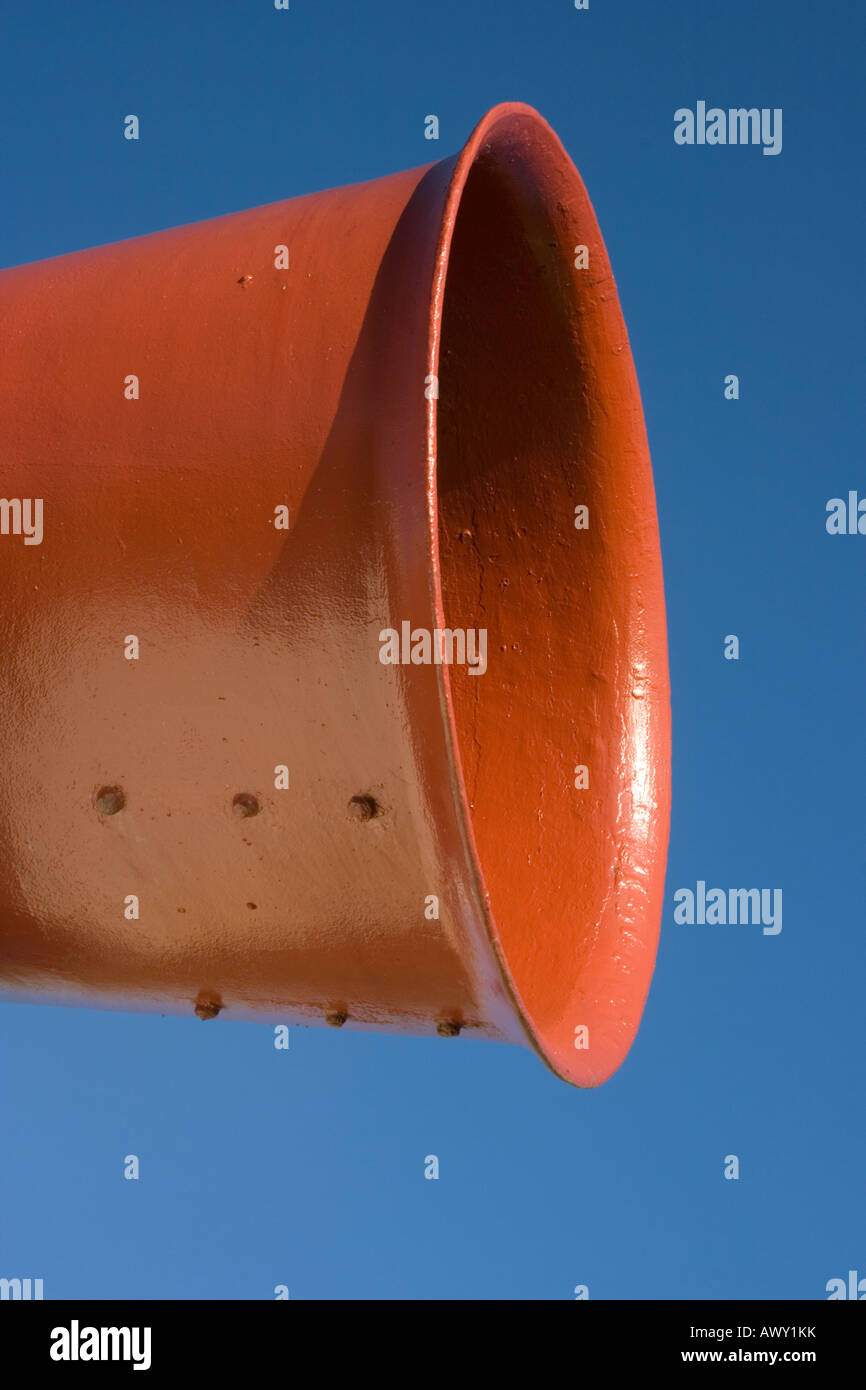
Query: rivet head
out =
(364, 808)
(335, 1018)
(245, 804)
(206, 1008)
(110, 800)
(448, 1028)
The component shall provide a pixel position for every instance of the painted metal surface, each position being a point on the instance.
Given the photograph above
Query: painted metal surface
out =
(429, 388)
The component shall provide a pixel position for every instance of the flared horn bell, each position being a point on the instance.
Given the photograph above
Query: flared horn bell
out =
(333, 673)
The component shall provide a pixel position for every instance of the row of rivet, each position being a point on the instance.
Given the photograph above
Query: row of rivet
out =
(111, 800)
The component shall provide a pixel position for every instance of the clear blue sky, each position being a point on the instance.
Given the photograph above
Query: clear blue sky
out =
(305, 1167)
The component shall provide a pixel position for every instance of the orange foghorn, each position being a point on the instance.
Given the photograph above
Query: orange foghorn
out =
(333, 659)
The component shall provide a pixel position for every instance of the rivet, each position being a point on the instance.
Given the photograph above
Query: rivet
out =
(110, 800)
(335, 1018)
(245, 804)
(206, 1009)
(364, 807)
(448, 1028)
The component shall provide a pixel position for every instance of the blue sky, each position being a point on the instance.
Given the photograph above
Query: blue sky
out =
(306, 1167)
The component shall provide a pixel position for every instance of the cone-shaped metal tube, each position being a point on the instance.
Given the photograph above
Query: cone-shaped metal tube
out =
(333, 668)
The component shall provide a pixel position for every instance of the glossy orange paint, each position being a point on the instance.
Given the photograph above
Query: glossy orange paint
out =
(431, 388)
